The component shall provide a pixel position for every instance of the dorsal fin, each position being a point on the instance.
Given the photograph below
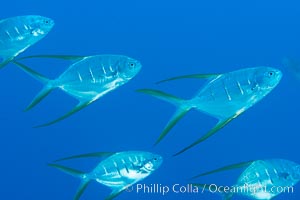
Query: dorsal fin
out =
(226, 168)
(61, 57)
(88, 155)
(198, 76)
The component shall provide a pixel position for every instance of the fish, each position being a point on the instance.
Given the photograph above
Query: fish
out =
(87, 79)
(19, 33)
(260, 178)
(225, 97)
(117, 171)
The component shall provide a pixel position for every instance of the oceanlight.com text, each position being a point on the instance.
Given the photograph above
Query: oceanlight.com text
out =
(212, 188)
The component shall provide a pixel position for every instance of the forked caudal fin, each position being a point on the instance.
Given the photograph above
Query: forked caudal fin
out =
(47, 82)
(182, 109)
(44, 92)
(84, 178)
(49, 86)
(4, 62)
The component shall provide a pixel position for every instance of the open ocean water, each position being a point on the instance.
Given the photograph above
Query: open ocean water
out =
(170, 38)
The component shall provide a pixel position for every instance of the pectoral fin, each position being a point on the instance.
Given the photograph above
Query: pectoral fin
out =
(88, 155)
(219, 126)
(77, 108)
(61, 57)
(226, 168)
(198, 76)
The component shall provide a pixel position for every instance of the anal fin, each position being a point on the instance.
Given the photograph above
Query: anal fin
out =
(115, 193)
(219, 126)
(77, 108)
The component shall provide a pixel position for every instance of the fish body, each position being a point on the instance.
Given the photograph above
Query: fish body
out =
(19, 33)
(224, 97)
(266, 179)
(88, 79)
(94, 76)
(118, 171)
(262, 179)
(234, 92)
(125, 168)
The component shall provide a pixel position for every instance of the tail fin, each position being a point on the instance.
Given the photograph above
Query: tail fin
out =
(163, 96)
(32, 73)
(180, 113)
(47, 82)
(4, 62)
(84, 178)
(183, 108)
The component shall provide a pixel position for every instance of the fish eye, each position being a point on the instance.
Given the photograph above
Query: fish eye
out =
(131, 64)
(284, 175)
(271, 73)
(155, 159)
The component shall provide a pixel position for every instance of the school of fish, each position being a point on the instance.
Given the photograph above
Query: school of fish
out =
(224, 96)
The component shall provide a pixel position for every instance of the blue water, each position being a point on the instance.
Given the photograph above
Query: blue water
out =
(169, 38)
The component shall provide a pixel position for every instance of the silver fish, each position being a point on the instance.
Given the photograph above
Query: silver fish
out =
(19, 33)
(224, 97)
(118, 171)
(88, 79)
(262, 179)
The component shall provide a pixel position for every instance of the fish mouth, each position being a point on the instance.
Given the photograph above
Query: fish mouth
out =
(49, 23)
(278, 75)
(159, 160)
(275, 79)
